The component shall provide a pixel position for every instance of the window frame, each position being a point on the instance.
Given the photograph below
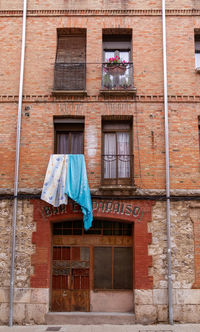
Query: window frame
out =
(69, 127)
(117, 43)
(117, 180)
(112, 270)
(197, 50)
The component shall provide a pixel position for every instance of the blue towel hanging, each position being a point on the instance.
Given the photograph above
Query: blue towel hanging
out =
(77, 187)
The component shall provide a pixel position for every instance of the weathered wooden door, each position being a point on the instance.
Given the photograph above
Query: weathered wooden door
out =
(70, 278)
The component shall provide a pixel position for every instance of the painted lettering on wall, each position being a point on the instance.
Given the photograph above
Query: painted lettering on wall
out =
(100, 207)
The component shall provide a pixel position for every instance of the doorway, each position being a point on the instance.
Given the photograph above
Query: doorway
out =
(90, 264)
(70, 278)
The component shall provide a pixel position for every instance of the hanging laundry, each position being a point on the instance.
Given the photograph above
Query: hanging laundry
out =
(77, 187)
(55, 179)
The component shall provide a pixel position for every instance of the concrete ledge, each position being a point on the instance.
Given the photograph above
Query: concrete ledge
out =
(89, 318)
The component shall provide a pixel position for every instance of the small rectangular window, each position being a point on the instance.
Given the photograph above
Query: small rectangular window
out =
(197, 51)
(69, 138)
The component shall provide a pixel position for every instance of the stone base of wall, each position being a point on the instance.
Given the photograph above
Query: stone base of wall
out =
(30, 305)
(151, 306)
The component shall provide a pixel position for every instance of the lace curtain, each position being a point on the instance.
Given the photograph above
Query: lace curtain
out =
(67, 146)
(116, 155)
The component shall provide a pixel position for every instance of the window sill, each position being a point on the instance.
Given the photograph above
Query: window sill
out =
(117, 186)
(69, 92)
(118, 92)
(117, 189)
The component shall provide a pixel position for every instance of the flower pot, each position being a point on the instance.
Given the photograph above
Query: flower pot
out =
(115, 70)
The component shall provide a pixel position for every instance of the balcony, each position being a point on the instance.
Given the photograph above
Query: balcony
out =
(69, 78)
(117, 79)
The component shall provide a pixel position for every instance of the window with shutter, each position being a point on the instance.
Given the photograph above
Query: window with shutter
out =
(69, 73)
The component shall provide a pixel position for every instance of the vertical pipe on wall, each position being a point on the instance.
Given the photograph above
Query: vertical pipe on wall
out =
(12, 270)
(167, 165)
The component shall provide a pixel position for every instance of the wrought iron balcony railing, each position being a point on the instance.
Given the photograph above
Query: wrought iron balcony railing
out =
(117, 168)
(72, 76)
(117, 76)
(69, 76)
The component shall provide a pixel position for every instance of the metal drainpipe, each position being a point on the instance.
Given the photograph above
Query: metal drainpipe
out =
(167, 165)
(12, 271)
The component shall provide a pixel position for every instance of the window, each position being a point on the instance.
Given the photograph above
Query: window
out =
(117, 44)
(117, 159)
(117, 268)
(197, 51)
(69, 73)
(99, 227)
(69, 136)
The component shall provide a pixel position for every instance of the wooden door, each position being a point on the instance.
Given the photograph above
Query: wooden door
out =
(70, 278)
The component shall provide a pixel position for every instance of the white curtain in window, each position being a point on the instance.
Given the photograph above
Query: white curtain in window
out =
(63, 143)
(109, 156)
(76, 143)
(197, 54)
(197, 60)
(76, 146)
(123, 152)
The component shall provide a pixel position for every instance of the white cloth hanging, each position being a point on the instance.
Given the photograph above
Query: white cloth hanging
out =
(55, 179)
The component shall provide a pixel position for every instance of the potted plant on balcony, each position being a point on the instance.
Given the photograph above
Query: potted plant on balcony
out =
(115, 66)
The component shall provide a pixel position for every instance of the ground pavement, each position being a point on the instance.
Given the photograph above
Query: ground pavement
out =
(103, 328)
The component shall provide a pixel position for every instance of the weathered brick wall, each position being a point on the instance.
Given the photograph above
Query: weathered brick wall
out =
(97, 4)
(149, 168)
(147, 53)
(148, 114)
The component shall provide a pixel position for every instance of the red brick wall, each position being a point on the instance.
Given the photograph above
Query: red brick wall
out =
(147, 52)
(148, 127)
(99, 4)
(148, 142)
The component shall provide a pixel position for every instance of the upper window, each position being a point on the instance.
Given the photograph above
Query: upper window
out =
(69, 73)
(117, 45)
(197, 51)
(69, 136)
(117, 66)
(117, 161)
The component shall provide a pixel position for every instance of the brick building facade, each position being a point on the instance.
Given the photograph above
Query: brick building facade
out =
(70, 95)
